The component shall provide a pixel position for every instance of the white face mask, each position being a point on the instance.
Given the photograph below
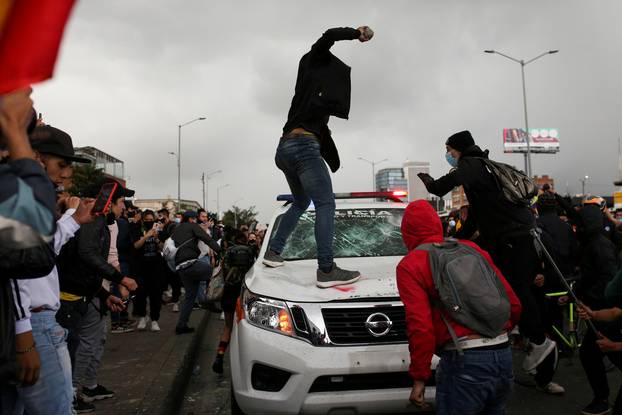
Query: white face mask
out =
(452, 223)
(177, 220)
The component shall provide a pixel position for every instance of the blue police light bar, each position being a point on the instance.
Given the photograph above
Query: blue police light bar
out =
(395, 196)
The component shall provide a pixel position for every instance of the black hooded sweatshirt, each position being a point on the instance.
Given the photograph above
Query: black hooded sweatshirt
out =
(598, 259)
(496, 218)
(560, 240)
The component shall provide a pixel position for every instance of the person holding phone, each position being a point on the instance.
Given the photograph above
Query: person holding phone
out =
(150, 265)
(42, 358)
(84, 263)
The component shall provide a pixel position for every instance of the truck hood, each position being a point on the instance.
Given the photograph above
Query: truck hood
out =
(295, 281)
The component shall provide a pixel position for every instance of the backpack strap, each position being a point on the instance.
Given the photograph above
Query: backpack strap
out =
(454, 337)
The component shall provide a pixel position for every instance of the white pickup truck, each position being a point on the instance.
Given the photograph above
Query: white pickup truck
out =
(299, 349)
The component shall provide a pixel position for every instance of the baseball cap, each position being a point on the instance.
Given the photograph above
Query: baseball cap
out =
(49, 140)
(190, 214)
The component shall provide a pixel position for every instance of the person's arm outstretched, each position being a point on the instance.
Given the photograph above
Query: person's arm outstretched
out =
(328, 39)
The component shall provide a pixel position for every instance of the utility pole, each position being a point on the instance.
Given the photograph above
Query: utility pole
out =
(522, 64)
(373, 170)
(179, 159)
(203, 182)
(206, 178)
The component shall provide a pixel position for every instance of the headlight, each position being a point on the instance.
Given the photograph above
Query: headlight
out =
(267, 313)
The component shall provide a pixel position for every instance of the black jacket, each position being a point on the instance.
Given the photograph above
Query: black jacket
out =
(193, 233)
(560, 240)
(83, 261)
(495, 217)
(322, 89)
(598, 259)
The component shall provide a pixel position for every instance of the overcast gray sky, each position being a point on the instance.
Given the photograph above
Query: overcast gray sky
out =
(131, 71)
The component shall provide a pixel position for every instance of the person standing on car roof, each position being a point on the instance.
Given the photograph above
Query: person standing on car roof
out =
(504, 230)
(478, 380)
(322, 90)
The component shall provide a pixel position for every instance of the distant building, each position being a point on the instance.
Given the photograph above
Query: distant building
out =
(545, 179)
(391, 179)
(168, 203)
(416, 188)
(111, 166)
(458, 198)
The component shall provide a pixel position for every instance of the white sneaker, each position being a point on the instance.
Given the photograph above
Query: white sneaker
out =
(155, 326)
(176, 308)
(552, 388)
(537, 353)
(142, 324)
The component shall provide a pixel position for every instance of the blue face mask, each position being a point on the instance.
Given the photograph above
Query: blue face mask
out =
(453, 162)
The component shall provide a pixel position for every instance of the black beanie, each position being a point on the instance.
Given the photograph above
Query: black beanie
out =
(460, 141)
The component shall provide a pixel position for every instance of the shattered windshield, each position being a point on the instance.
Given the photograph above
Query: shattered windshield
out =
(358, 233)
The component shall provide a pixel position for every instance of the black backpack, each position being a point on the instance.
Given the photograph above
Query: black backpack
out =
(516, 187)
(239, 256)
(468, 287)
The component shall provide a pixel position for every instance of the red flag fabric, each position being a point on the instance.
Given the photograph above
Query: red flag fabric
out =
(29, 41)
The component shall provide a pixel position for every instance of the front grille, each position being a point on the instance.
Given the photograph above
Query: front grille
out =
(368, 381)
(347, 325)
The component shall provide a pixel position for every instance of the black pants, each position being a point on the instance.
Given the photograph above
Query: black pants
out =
(518, 260)
(149, 287)
(592, 361)
(70, 316)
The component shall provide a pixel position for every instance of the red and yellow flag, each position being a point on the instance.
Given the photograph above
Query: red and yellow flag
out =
(30, 36)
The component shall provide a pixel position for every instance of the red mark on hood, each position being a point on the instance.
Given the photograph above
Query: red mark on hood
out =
(345, 289)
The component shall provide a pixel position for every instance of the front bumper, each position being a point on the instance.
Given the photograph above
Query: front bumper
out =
(307, 363)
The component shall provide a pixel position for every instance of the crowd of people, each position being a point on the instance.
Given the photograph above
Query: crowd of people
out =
(66, 265)
(64, 268)
(584, 242)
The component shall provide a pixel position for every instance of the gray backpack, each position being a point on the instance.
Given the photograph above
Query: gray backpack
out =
(468, 287)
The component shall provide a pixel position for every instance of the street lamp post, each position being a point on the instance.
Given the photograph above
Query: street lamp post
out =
(235, 212)
(373, 170)
(179, 158)
(218, 200)
(524, 63)
(583, 180)
(205, 177)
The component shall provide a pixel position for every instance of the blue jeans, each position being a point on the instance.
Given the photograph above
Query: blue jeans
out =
(309, 180)
(191, 277)
(53, 392)
(478, 383)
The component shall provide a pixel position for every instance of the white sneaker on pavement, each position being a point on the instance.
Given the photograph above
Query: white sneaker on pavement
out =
(537, 353)
(176, 308)
(552, 388)
(155, 326)
(142, 324)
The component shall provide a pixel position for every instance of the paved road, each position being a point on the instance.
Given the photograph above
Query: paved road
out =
(209, 393)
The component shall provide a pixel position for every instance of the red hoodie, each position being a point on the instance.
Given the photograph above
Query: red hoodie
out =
(425, 327)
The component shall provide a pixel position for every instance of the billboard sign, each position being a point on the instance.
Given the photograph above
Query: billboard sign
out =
(541, 140)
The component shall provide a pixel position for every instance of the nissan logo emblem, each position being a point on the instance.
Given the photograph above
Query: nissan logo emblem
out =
(378, 324)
